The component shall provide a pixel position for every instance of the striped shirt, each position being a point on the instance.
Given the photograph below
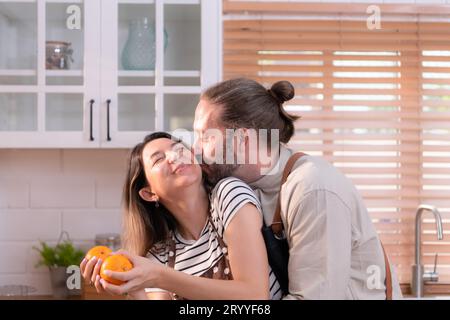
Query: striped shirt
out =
(195, 257)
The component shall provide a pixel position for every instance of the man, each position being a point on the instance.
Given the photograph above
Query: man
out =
(335, 252)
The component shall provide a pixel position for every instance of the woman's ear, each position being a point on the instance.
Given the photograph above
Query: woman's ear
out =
(147, 195)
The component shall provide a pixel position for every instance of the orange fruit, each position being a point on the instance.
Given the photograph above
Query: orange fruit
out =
(101, 252)
(118, 263)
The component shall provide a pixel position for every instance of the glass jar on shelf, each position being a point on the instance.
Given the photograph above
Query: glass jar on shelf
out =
(139, 52)
(58, 55)
(110, 240)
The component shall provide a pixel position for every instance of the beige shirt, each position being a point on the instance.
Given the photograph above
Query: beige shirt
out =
(335, 252)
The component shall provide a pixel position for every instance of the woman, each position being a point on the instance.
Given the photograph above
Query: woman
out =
(182, 238)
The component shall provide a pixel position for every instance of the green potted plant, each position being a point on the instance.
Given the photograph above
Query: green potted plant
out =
(57, 259)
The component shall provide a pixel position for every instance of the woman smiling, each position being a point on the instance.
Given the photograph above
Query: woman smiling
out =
(184, 239)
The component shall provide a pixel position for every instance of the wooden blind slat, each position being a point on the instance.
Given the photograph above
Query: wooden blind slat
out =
(375, 103)
(287, 7)
(319, 80)
(363, 137)
(249, 57)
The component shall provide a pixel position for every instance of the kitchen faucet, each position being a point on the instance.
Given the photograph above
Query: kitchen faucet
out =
(419, 276)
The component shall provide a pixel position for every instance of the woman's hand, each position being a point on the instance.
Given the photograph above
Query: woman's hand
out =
(90, 270)
(143, 275)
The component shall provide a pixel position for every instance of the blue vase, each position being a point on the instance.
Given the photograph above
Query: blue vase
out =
(139, 51)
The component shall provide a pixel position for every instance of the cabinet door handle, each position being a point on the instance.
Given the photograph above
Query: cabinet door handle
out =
(91, 131)
(108, 136)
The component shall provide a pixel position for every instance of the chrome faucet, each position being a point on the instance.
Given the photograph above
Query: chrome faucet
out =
(419, 276)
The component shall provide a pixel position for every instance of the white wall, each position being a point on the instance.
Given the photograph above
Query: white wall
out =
(45, 191)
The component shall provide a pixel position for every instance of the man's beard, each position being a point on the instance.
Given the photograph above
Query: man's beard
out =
(216, 172)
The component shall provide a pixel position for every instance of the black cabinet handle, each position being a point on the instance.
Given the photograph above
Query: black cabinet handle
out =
(91, 124)
(108, 136)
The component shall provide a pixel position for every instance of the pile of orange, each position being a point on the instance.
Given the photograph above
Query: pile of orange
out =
(111, 262)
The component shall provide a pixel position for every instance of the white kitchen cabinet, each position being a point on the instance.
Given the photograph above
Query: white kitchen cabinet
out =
(102, 101)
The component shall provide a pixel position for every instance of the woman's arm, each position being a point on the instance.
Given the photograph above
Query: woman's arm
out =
(248, 261)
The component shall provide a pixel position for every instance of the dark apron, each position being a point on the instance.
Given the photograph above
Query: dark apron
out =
(220, 270)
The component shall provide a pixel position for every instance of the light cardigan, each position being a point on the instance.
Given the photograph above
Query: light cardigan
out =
(335, 252)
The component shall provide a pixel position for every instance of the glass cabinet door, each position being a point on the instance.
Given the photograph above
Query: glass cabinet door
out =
(71, 74)
(179, 110)
(103, 73)
(18, 68)
(182, 58)
(128, 103)
(47, 81)
(64, 54)
(136, 54)
(18, 43)
(18, 112)
(64, 44)
(153, 78)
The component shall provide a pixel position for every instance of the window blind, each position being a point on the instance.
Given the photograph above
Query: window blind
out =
(375, 103)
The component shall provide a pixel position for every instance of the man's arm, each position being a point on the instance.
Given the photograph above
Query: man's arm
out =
(318, 229)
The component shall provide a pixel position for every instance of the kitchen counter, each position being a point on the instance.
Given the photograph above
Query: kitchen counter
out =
(87, 293)
(39, 297)
(430, 289)
(440, 289)
(90, 296)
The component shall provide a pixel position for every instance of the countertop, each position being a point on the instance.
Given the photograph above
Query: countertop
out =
(89, 293)
(430, 289)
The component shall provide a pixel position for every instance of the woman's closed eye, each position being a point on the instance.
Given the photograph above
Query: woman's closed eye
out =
(158, 159)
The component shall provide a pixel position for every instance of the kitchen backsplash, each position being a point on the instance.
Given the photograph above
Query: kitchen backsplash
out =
(43, 192)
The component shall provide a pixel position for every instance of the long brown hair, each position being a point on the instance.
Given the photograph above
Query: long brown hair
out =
(247, 104)
(144, 223)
